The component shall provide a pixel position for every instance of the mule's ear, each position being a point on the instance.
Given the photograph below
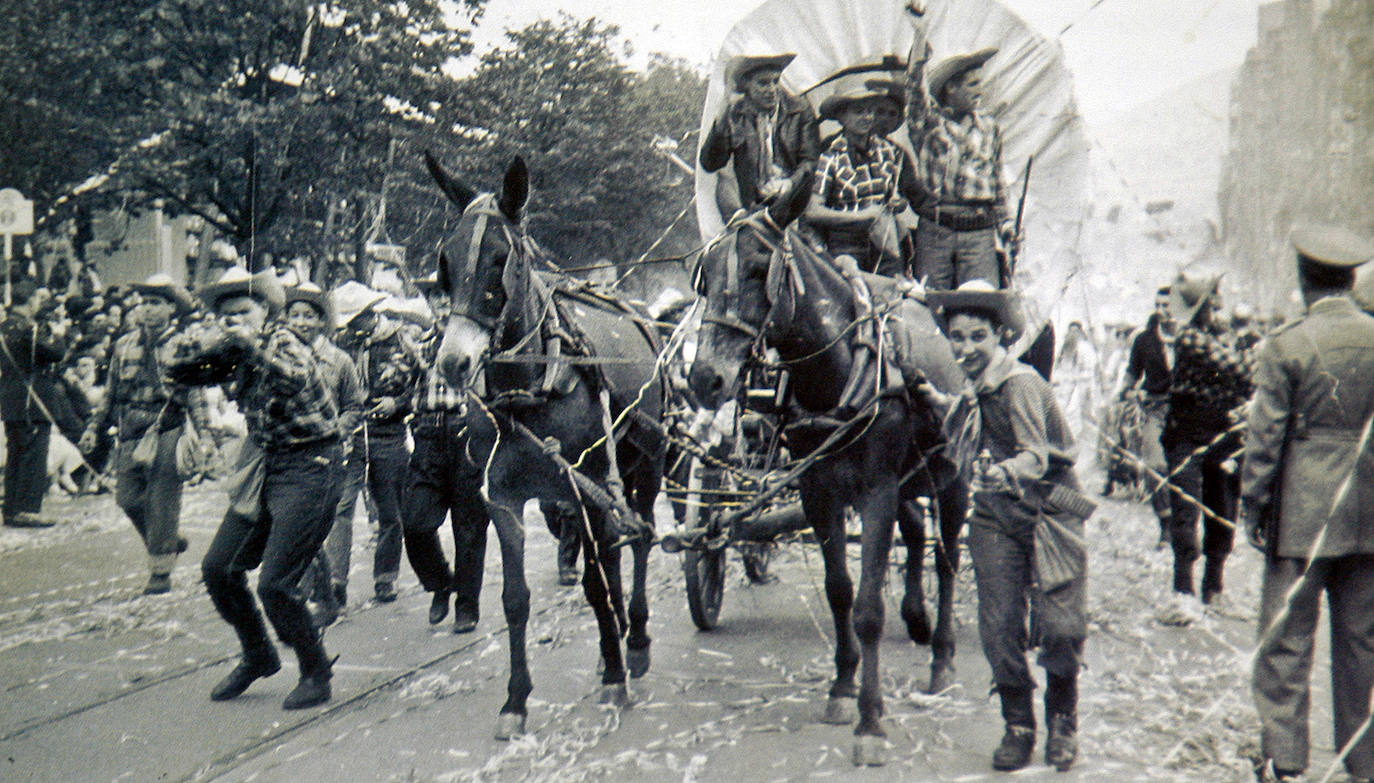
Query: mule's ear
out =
(445, 280)
(790, 205)
(457, 192)
(515, 190)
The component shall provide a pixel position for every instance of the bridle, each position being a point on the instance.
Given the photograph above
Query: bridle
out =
(730, 318)
(483, 208)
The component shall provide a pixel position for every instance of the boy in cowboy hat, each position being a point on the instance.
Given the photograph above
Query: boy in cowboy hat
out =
(1012, 443)
(309, 314)
(769, 133)
(1210, 383)
(140, 403)
(958, 161)
(389, 366)
(1308, 504)
(862, 179)
(279, 520)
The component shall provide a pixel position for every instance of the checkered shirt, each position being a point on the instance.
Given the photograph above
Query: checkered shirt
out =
(847, 182)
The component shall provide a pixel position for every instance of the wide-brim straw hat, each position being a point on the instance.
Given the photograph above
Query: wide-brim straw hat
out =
(162, 284)
(857, 87)
(1188, 294)
(742, 65)
(352, 299)
(311, 294)
(413, 310)
(981, 295)
(237, 281)
(950, 67)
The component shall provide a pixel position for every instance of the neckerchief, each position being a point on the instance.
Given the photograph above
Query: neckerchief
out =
(967, 413)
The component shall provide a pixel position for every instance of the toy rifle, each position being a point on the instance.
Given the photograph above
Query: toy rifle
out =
(1006, 259)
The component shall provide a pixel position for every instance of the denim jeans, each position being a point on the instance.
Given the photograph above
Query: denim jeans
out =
(385, 452)
(1002, 546)
(297, 506)
(338, 547)
(945, 257)
(443, 479)
(1201, 479)
(150, 495)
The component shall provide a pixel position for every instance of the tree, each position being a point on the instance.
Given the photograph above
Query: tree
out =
(277, 113)
(561, 95)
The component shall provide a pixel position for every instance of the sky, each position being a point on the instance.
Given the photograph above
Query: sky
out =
(1122, 52)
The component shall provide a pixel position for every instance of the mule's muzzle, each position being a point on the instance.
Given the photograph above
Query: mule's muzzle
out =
(707, 385)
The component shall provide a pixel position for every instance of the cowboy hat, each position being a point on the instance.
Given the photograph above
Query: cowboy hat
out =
(980, 295)
(237, 281)
(352, 299)
(414, 310)
(1187, 295)
(857, 87)
(161, 284)
(742, 65)
(311, 294)
(951, 67)
(1332, 246)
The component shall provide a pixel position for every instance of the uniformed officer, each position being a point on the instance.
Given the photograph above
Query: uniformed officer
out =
(1308, 503)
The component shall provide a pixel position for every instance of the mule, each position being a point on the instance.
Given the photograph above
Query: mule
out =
(765, 288)
(558, 366)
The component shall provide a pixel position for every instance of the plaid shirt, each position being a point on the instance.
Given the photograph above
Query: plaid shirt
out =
(849, 182)
(434, 394)
(958, 159)
(280, 390)
(1210, 379)
(138, 388)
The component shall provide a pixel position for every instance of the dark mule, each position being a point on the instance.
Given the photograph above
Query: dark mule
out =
(509, 324)
(763, 287)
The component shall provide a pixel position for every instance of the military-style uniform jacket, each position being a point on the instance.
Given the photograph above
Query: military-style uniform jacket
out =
(1314, 394)
(138, 392)
(30, 351)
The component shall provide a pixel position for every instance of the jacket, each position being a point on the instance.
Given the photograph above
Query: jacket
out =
(29, 355)
(1304, 468)
(796, 144)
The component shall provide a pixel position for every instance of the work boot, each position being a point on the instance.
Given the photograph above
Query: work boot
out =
(1183, 577)
(257, 662)
(1018, 743)
(1211, 579)
(386, 592)
(158, 584)
(1061, 747)
(29, 519)
(317, 669)
(465, 615)
(438, 606)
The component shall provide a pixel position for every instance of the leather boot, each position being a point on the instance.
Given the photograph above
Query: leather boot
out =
(257, 662)
(1183, 576)
(1211, 578)
(1018, 743)
(438, 607)
(316, 671)
(1061, 717)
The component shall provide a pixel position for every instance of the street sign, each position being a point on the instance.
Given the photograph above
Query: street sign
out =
(16, 213)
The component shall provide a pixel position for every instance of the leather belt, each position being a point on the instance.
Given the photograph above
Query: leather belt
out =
(970, 220)
(435, 418)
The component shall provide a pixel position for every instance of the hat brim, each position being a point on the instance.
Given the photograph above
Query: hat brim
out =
(741, 66)
(1184, 313)
(1006, 305)
(832, 106)
(175, 294)
(262, 286)
(316, 298)
(951, 67)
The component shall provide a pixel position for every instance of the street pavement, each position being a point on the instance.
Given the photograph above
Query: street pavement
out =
(103, 684)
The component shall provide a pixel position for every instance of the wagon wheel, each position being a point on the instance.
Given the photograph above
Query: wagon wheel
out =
(704, 569)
